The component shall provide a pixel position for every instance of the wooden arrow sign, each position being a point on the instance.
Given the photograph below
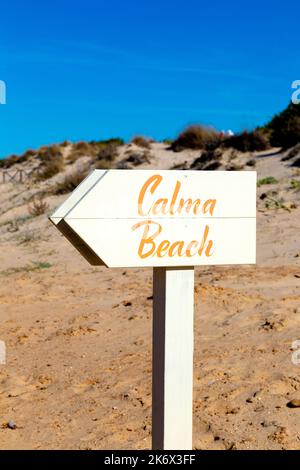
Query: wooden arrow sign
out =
(124, 218)
(173, 221)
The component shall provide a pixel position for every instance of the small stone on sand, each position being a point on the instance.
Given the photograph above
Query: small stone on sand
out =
(11, 424)
(295, 403)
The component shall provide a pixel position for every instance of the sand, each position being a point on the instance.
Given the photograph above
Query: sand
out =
(78, 338)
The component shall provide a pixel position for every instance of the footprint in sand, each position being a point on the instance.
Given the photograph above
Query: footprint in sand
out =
(15, 386)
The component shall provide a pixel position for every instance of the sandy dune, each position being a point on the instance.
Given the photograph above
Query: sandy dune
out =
(78, 372)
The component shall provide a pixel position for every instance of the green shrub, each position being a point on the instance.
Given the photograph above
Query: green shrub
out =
(114, 140)
(284, 128)
(107, 153)
(247, 141)
(272, 203)
(267, 180)
(295, 184)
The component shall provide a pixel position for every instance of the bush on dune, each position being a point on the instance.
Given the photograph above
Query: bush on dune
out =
(70, 182)
(141, 141)
(247, 141)
(80, 149)
(92, 148)
(106, 156)
(8, 162)
(196, 137)
(284, 128)
(38, 206)
(52, 163)
(114, 140)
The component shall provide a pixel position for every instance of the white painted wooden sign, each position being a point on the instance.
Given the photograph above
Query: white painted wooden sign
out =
(124, 218)
(172, 221)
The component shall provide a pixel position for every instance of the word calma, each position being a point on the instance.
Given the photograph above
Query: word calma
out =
(170, 206)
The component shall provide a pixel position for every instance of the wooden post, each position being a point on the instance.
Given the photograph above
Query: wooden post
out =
(172, 373)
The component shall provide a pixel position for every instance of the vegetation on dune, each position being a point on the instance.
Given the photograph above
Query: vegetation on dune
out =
(196, 137)
(138, 158)
(8, 162)
(295, 184)
(284, 128)
(78, 150)
(52, 162)
(267, 180)
(208, 139)
(247, 141)
(141, 141)
(106, 155)
(92, 148)
(70, 182)
(283, 131)
(114, 140)
(38, 206)
(34, 266)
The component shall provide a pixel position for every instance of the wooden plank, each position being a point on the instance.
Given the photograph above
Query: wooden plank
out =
(119, 215)
(117, 243)
(128, 194)
(172, 376)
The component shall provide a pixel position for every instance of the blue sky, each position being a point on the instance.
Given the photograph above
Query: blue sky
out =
(95, 69)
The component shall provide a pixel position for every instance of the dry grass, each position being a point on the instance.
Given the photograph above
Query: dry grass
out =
(52, 163)
(196, 137)
(94, 149)
(80, 149)
(138, 158)
(208, 160)
(141, 141)
(70, 182)
(38, 206)
(6, 163)
(106, 156)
